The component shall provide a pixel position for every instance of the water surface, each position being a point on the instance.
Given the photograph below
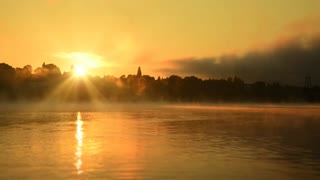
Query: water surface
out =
(162, 142)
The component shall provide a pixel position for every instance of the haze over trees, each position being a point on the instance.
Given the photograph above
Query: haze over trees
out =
(47, 82)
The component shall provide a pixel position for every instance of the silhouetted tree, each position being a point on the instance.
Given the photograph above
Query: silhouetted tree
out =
(22, 84)
(7, 75)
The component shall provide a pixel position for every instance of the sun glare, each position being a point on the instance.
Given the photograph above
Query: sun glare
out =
(83, 63)
(80, 71)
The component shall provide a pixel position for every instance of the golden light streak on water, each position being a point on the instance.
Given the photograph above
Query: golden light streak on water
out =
(79, 138)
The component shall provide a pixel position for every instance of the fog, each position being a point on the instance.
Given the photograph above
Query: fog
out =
(268, 108)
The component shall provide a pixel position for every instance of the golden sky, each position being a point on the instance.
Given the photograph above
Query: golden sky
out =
(116, 36)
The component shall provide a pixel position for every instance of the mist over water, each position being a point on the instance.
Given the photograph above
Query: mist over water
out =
(166, 141)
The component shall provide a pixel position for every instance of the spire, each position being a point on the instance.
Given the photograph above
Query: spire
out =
(139, 74)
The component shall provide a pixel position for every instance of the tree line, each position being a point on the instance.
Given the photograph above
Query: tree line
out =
(48, 82)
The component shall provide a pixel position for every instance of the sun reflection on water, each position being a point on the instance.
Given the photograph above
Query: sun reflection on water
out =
(79, 138)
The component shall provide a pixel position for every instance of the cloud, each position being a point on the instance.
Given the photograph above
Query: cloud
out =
(287, 58)
(288, 63)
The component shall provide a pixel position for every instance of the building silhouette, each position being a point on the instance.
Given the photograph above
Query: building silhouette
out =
(139, 74)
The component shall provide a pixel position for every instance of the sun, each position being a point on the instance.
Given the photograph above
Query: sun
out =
(80, 71)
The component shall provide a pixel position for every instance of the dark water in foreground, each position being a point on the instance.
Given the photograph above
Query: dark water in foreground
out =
(167, 142)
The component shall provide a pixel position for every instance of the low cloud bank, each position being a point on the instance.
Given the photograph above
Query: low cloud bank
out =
(287, 63)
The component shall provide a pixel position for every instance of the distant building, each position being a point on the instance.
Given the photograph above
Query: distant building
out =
(139, 74)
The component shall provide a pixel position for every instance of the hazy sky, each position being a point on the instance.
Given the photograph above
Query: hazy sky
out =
(119, 35)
